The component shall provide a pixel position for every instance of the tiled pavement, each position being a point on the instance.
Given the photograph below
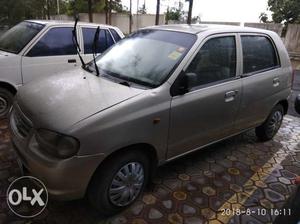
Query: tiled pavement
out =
(239, 173)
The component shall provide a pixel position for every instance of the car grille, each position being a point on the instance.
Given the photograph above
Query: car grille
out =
(20, 125)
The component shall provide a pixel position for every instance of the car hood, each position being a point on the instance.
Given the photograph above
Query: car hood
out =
(59, 101)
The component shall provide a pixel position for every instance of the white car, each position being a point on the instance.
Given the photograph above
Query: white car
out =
(39, 48)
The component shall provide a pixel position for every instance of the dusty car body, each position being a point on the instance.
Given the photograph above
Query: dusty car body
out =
(122, 127)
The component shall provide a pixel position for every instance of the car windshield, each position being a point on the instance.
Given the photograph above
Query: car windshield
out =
(147, 57)
(15, 39)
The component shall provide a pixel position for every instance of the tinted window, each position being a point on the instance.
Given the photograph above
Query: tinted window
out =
(115, 35)
(15, 39)
(57, 41)
(105, 40)
(259, 53)
(215, 61)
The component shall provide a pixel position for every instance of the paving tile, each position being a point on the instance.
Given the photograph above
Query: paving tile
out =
(239, 173)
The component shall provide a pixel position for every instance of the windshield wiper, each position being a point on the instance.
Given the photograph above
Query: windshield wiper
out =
(96, 38)
(75, 42)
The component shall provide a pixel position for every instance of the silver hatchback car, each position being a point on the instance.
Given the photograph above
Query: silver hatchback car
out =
(163, 92)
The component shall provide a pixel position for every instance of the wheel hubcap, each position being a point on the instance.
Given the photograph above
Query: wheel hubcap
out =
(275, 123)
(127, 184)
(3, 105)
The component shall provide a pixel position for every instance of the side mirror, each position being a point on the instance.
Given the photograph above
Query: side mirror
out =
(182, 84)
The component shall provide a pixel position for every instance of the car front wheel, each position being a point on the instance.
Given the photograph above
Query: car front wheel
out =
(270, 127)
(119, 182)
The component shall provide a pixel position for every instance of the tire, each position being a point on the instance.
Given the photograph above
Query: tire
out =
(102, 193)
(270, 127)
(6, 101)
(297, 104)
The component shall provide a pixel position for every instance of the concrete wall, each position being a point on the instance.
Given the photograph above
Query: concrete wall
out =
(221, 23)
(277, 28)
(119, 20)
(292, 40)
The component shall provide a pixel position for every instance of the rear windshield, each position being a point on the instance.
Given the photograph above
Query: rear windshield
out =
(15, 39)
(146, 57)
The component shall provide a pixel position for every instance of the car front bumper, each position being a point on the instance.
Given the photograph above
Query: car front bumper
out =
(65, 179)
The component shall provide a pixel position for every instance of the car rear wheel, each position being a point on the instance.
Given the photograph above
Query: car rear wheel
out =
(119, 182)
(6, 100)
(270, 127)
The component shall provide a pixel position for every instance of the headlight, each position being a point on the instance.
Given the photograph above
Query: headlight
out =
(56, 144)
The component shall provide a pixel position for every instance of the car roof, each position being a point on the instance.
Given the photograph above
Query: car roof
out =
(198, 28)
(62, 22)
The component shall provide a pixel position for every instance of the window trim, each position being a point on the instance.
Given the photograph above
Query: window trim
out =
(242, 56)
(89, 27)
(32, 45)
(216, 83)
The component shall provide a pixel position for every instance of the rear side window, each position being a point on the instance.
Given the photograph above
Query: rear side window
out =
(258, 54)
(115, 35)
(104, 42)
(56, 42)
(215, 62)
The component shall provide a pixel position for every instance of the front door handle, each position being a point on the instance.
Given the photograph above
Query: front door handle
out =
(276, 82)
(230, 96)
(71, 60)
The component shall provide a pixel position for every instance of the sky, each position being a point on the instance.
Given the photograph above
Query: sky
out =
(212, 10)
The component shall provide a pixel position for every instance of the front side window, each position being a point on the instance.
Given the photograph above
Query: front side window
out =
(15, 39)
(258, 54)
(105, 40)
(56, 42)
(216, 61)
(146, 57)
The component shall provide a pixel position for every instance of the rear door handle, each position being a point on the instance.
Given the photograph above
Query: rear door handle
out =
(276, 82)
(71, 60)
(230, 96)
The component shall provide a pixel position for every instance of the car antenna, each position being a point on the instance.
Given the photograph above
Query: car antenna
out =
(96, 38)
(75, 41)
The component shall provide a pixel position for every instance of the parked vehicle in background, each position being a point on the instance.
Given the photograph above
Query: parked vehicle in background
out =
(34, 49)
(161, 93)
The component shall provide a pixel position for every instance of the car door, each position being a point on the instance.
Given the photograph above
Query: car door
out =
(262, 78)
(207, 112)
(51, 53)
(104, 42)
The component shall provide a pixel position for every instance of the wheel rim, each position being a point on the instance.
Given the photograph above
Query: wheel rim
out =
(127, 184)
(3, 105)
(274, 123)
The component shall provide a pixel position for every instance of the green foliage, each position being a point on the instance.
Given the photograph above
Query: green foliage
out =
(142, 10)
(174, 14)
(287, 11)
(263, 17)
(14, 11)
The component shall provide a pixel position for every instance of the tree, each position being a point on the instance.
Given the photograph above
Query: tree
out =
(189, 18)
(90, 5)
(263, 17)
(287, 11)
(157, 12)
(14, 11)
(174, 14)
(142, 10)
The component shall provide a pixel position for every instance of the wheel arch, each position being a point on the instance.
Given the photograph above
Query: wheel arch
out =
(142, 147)
(8, 87)
(285, 105)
